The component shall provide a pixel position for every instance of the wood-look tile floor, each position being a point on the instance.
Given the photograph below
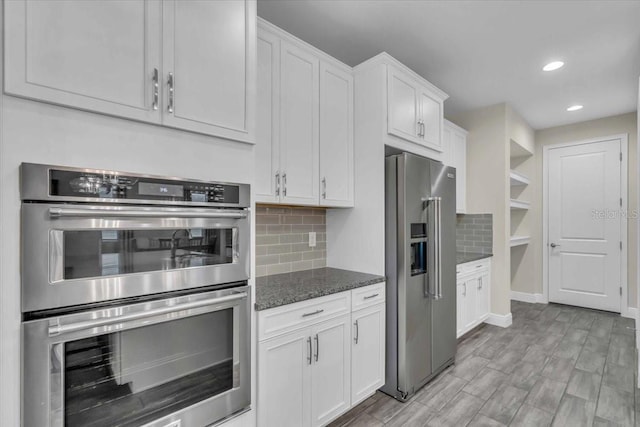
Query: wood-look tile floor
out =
(556, 365)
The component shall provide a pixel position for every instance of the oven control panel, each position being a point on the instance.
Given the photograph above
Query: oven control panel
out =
(81, 184)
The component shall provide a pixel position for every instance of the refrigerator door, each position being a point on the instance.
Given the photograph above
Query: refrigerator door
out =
(443, 308)
(414, 305)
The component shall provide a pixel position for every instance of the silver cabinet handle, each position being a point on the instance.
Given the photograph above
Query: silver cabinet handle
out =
(357, 332)
(553, 245)
(371, 296)
(156, 89)
(90, 324)
(465, 289)
(284, 184)
(312, 313)
(170, 84)
(277, 183)
(424, 129)
(324, 188)
(86, 212)
(310, 351)
(479, 282)
(419, 127)
(317, 347)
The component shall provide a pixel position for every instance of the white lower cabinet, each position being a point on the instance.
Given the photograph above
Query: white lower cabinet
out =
(473, 294)
(314, 363)
(367, 352)
(330, 370)
(284, 378)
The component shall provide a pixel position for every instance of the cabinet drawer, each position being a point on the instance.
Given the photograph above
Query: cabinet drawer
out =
(367, 296)
(472, 267)
(290, 317)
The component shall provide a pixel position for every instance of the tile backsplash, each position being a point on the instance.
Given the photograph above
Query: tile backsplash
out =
(282, 239)
(474, 233)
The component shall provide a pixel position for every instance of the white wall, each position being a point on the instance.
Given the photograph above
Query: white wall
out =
(487, 192)
(41, 133)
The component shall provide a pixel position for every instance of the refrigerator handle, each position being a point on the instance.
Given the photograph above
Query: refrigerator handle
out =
(437, 239)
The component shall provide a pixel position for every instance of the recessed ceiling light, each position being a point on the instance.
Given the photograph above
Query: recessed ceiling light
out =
(575, 108)
(553, 66)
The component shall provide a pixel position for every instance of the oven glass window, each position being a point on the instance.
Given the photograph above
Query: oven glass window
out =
(97, 253)
(133, 377)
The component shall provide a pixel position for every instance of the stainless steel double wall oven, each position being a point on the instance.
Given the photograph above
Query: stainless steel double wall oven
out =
(134, 297)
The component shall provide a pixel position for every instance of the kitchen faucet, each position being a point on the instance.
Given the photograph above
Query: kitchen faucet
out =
(175, 240)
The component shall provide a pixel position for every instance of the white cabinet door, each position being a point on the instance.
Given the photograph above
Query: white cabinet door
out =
(367, 352)
(447, 147)
(470, 293)
(431, 116)
(93, 55)
(461, 306)
(267, 149)
(483, 287)
(331, 376)
(459, 152)
(403, 108)
(299, 133)
(209, 67)
(336, 137)
(284, 380)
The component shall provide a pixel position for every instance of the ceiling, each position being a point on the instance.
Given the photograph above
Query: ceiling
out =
(486, 52)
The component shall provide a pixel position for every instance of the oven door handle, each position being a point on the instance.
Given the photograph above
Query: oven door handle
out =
(144, 213)
(56, 329)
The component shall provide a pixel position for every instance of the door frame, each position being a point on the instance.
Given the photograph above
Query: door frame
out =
(624, 193)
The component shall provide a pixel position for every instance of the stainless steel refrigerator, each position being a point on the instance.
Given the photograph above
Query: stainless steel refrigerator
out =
(421, 272)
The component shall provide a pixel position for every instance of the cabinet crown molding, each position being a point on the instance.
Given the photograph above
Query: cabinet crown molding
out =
(384, 58)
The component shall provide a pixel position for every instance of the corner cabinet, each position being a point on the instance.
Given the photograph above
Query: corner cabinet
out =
(454, 145)
(473, 294)
(304, 151)
(318, 358)
(145, 60)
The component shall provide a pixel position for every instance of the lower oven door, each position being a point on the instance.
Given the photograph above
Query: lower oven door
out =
(184, 359)
(80, 254)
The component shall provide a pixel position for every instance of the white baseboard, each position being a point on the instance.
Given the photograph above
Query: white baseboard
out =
(502, 320)
(526, 297)
(631, 312)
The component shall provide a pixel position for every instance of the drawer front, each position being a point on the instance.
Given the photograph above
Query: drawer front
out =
(367, 296)
(287, 318)
(473, 267)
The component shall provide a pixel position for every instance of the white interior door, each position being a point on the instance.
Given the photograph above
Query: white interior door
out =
(584, 236)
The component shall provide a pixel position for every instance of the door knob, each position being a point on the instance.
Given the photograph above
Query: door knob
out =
(553, 245)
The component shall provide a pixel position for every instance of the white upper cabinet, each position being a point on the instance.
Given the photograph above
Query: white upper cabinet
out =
(304, 152)
(431, 120)
(414, 109)
(299, 136)
(101, 56)
(454, 146)
(403, 108)
(336, 136)
(267, 150)
(209, 68)
(105, 56)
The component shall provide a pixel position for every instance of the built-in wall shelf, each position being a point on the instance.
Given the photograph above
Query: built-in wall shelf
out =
(520, 240)
(519, 205)
(518, 150)
(517, 179)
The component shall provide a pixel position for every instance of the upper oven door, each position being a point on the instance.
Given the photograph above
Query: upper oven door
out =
(79, 254)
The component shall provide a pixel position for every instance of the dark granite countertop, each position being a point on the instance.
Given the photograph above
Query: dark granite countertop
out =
(462, 257)
(281, 289)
